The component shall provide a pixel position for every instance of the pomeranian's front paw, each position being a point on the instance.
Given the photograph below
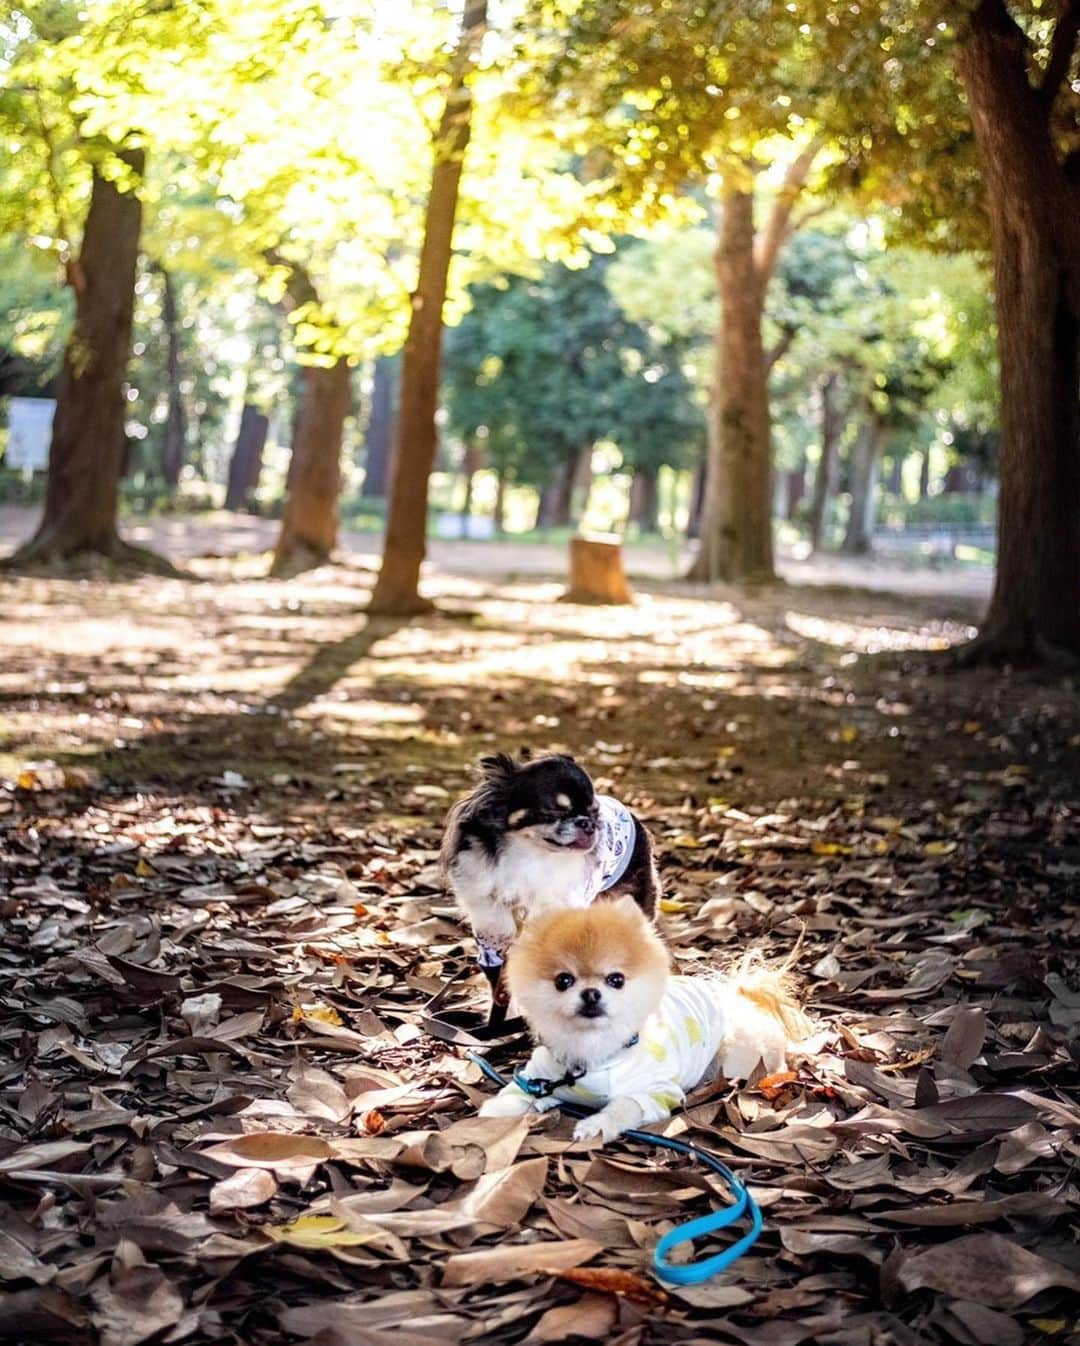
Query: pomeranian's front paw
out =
(506, 1105)
(596, 1125)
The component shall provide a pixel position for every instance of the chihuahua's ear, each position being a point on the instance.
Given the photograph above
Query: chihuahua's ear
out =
(499, 768)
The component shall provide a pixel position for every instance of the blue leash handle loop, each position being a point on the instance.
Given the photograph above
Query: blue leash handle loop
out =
(742, 1203)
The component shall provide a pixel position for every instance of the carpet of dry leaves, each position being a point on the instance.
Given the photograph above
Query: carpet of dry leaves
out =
(220, 1117)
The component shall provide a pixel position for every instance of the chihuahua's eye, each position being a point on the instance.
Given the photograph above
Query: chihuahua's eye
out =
(615, 980)
(564, 981)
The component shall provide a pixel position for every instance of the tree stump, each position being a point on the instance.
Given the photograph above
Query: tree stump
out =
(596, 570)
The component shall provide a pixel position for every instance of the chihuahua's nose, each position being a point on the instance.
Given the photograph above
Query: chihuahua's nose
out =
(590, 997)
(585, 824)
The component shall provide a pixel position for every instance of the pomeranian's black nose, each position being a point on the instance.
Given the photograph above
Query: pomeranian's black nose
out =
(590, 1003)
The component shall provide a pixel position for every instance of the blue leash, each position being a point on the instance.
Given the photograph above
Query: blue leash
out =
(683, 1273)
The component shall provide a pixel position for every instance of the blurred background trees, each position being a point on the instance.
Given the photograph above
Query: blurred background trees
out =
(706, 271)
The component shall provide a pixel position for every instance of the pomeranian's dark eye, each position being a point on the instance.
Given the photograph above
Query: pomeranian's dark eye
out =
(615, 980)
(564, 981)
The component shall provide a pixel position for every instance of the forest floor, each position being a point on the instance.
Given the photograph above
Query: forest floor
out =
(221, 1119)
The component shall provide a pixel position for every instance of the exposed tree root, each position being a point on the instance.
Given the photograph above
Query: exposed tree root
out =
(295, 559)
(46, 552)
(403, 605)
(1011, 645)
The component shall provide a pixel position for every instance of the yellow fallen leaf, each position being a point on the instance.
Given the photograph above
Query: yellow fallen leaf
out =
(1051, 1326)
(939, 848)
(886, 823)
(317, 1231)
(728, 750)
(848, 734)
(829, 848)
(1017, 769)
(688, 842)
(972, 726)
(323, 1014)
(144, 869)
(672, 904)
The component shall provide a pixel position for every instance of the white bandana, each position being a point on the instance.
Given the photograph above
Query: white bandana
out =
(615, 844)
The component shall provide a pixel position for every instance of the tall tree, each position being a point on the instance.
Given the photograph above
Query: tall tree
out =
(174, 429)
(736, 527)
(1025, 120)
(397, 588)
(86, 455)
(379, 437)
(309, 526)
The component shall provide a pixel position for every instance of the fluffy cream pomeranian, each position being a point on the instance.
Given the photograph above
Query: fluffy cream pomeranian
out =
(613, 1026)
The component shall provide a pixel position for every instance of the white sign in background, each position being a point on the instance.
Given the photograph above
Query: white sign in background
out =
(29, 432)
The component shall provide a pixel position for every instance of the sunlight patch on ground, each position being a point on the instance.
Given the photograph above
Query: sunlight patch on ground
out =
(861, 638)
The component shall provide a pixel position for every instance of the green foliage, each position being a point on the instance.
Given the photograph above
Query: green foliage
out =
(540, 368)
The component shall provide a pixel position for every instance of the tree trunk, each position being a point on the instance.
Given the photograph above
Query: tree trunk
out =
(379, 438)
(924, 475)
(245, 466)
(825, 476)
(471, 463)
(556, 497)
(1034, 209)
(500, 503)
(865, 464)
(86, 454)
(794, 490)
(174, 432)
(697, 500)
(896, 475)
(397, 587)
(309, 527)
(581, 486)
(736, 530)
(645, 500)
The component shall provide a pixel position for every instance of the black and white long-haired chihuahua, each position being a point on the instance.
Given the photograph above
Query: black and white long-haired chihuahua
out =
(534, 836)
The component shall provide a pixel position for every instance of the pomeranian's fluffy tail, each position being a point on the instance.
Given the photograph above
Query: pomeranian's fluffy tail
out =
(763, 1020)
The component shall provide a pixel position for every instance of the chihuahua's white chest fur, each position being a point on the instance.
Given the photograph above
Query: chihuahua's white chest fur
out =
(523, 878)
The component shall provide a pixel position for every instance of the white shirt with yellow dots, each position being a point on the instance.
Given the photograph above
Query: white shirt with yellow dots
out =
(702, 1028)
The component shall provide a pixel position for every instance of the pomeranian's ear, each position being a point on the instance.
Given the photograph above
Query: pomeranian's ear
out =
(500, 767)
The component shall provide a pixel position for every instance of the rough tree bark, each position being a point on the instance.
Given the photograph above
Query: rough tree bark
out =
(397, 589)
(865, 466)
(379, 438)
(245, 466)
(832, 425)
(1033, 201)
(174, 431)
(86, 455)
(736, 530)
(310, 524)
(645, 500)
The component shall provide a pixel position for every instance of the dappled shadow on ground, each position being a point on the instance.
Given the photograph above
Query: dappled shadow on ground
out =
(223, 916)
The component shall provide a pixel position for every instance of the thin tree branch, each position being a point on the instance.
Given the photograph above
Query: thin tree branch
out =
(1062, 47)
(780, 347)
(779, 226)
